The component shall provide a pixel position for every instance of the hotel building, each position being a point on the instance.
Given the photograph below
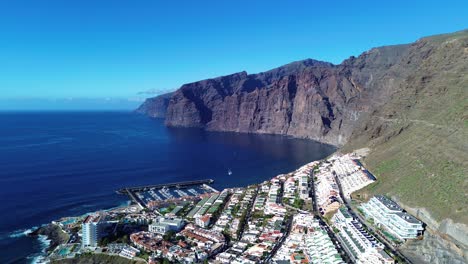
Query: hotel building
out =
(91, 230)
(390, 216)
(161, 225)
(360, 245)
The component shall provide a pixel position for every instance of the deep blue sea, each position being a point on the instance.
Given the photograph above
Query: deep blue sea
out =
(55, 164)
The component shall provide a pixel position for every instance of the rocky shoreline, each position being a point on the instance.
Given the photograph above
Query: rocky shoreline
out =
(54, 233)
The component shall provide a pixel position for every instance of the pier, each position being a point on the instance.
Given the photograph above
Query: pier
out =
(175, 184)
(133, 192)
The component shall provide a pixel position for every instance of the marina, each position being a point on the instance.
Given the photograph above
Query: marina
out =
(154, 195)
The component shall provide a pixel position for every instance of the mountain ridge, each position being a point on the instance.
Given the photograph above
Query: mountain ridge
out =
(407, 103)
(233, 102)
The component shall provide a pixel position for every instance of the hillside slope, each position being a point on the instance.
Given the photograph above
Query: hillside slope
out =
(419, 137)
(419, 141)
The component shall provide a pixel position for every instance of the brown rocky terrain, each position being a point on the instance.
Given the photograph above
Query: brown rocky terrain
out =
(307, 99)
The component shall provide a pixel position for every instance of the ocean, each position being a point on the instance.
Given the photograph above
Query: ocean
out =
(55, 164)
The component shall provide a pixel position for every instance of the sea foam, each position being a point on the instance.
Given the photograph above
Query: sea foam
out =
(40, 257)
(21, 232)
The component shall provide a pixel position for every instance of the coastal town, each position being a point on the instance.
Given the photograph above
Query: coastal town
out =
(309, 215)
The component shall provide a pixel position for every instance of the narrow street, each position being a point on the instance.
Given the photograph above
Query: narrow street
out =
(322, 222)
(312, 194)
(247, 217)
(281, 241)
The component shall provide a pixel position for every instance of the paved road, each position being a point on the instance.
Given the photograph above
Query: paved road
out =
(281, 241)
(286, 233)
(249, 212)
(318, 215)
(312, 194)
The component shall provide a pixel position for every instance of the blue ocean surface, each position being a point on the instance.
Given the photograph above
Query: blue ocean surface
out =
(55, 164)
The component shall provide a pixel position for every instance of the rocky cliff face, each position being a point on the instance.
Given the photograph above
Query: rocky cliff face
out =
(434, 248)
(156, 106)
(444, 242)
(306, 99)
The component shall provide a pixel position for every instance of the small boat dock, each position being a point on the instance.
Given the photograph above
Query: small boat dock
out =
(151, 195)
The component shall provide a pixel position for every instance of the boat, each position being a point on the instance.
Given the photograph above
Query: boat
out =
(229, 172)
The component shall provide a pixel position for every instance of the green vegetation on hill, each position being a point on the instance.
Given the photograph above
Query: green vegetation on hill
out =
(419, 137)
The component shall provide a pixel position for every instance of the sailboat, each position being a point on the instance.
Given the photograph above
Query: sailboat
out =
(229, 172)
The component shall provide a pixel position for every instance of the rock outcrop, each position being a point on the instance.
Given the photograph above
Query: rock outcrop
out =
(54, 234)
(156, 106)
(444, 242)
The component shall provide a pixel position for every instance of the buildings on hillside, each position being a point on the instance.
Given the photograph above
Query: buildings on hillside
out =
(129, 252)
(258, 221)
(360, 245)
(326, 190)
(203, 221)
(290, 189)
(390, 216)
(304, 186)
(161, 225)
(307, 242)
(350, 173)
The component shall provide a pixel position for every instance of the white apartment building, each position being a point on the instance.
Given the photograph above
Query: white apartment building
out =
(289, 188)
(380, 208)
(405, 226)
(389, 215)
(360, 245)
(91, 231)
(203, 221)
(320, 249)
(274, 209)
(304, 186)
(307, 236)
(129, 252)
(161, 225)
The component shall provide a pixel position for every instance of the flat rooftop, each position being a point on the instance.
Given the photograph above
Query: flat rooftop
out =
(92, 219)
(391, 205)
(408, 218)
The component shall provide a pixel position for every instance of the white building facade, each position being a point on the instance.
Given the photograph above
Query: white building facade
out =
(360, 245)
(161, 225)
(389, 215)
(405, 226)
(91, 231)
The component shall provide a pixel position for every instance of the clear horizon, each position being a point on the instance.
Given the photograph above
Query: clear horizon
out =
(122, 53)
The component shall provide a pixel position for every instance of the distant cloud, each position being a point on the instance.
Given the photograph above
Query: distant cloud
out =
(155, 91)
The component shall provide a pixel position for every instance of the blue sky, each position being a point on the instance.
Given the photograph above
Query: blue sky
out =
(116, 49)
